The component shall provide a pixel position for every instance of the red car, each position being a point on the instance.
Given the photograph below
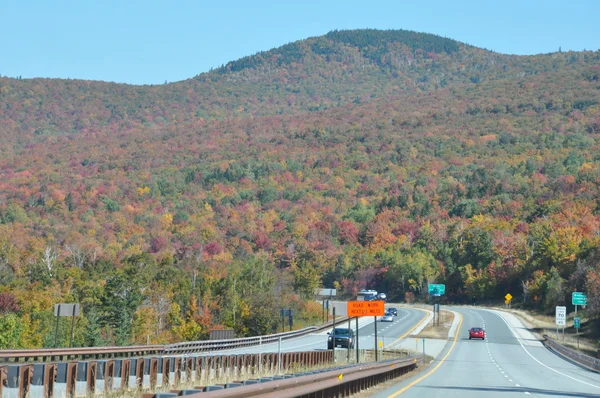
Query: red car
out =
(476, 333)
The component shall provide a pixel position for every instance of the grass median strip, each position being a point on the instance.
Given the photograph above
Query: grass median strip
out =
(410, 331)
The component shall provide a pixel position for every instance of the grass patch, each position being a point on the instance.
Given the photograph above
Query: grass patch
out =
(435, 331)
(541, 324)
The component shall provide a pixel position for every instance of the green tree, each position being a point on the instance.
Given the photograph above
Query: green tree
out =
(11, 328)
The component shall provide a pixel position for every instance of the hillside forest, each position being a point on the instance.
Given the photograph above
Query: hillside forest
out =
(357, 159)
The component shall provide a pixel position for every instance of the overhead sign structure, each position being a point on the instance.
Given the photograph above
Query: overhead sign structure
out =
(508, 297)
(436, 289)
(578, 298)
(366, 308)
(561, 316)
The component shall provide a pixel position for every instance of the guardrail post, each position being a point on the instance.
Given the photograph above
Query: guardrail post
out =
(236, 367)
(166, 371)
(210, 369)
(189, 368)
(219, 366)
(200, 369)
(104, 375)
(176, 366)
(86, 378)
(146, 379)
(17, 380)
(42, 382)
(70, 377)
(120, 375)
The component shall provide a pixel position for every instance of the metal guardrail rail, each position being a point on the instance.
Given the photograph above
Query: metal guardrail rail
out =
(212, 345)
(587, 361)
(65, 354)
(62, 354)
(327, 383)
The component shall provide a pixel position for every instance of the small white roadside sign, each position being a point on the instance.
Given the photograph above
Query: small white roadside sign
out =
(561, 316)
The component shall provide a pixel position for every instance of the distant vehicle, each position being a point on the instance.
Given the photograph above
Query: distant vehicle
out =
(387, 318)
(392, 311)
(381, 296)
(367, 295)
(367, 291)
(344, 337)
(476, 333)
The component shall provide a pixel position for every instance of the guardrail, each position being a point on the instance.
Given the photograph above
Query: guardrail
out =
(215, 345)
(340, 381)
(66, 354)
(85, 353)
(587, 361)
(132, 376)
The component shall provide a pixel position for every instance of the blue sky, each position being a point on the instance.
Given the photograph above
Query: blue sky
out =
(150, 42)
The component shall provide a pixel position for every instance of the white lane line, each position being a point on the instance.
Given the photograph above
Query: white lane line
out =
(535, 359)
(526, 392)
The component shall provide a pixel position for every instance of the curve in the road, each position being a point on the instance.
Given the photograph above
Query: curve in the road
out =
(544, 365)
(509, 363)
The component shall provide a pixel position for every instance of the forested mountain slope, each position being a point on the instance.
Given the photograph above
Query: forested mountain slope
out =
(356, 159)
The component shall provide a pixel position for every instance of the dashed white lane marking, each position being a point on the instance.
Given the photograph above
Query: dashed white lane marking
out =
(492, 357)
(535, 359)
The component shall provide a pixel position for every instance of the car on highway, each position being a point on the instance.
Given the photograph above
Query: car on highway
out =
(340, 337)
(392, 311)
(387, 318)
(381, 296)
(476, 333)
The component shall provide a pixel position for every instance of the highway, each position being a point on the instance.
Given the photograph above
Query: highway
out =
(509, 363)
(388, 332)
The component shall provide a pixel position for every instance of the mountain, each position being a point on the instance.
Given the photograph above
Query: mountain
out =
(358, 159)
(337, 69)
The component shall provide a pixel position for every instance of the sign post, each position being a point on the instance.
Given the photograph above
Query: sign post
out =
(577, 325)
(508, 298)
(65, 310)
(561, 319)
(367, 308)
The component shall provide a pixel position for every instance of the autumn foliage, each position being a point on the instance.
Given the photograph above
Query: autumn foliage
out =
(354, 160)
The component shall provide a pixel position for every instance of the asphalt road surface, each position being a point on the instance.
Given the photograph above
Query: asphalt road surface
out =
(387, 332)
(501, 366)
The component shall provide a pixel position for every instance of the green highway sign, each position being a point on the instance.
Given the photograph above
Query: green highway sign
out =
(576, 323)
(436, 289)
(578, 298)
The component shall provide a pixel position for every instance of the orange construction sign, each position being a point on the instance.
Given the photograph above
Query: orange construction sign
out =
(366, 308)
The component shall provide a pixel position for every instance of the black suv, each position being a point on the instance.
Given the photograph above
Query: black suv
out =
(392, 311)
(344, 337)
